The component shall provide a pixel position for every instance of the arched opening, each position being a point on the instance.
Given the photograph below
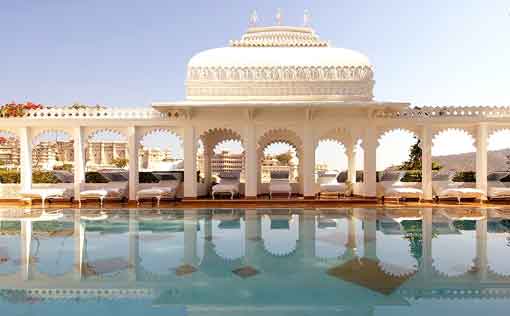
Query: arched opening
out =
(398, 160)
(498, 163)
(456, 164)
(53, 158)
(221, 160)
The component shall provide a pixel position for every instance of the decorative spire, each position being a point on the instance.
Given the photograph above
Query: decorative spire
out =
(254, 18)
(279, 16)
(307, 19)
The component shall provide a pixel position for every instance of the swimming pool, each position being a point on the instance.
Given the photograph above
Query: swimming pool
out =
(349, 261)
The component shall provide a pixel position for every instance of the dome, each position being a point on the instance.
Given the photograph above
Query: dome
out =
(280, 63)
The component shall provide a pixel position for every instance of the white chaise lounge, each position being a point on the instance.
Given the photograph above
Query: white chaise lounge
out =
(329, 186)
(101, 194)
(497, 188)
(167, 189)
(280, 184)
(43, 194)
(444, 188)
(229, 184)
(394, 188)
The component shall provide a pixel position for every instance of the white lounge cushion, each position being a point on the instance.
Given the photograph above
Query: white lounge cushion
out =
(499, 192)
(94, 193)
(461, 193)
(280, 186)
(225, 188)
(156, 192)
(405, 192)
(332, 187)
(44, 193)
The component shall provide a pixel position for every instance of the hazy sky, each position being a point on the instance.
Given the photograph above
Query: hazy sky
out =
(134, 52)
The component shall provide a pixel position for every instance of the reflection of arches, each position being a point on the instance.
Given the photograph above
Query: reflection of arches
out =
(283, 239)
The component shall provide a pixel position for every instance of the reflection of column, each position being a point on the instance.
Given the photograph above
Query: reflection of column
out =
(252, 236)
(307, 233)
(481, 261)
(79, 161)
(370, 235)
(134, 246)
(25, 143)
(26, 240)
(369, 162)
(426, 258)
(308, 162)
(481, 159)
(133, 161)
(190, 166)
(190, 238)
(426, 166)
(351, 244)
(208, 228)
(79, 245)
(251, 167)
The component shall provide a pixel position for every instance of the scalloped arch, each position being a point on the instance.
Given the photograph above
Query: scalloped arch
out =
(214, 136)
(382, 133)
(155, 130)
(37, 136)
(463, 131)
(98, 131)
(280, 135)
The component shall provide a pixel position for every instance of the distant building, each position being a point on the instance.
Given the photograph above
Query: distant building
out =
(9, 152)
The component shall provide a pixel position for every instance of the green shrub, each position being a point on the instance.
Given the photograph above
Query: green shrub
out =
(95, 177)
(412, 176)
(465, 176)
(147, 177)
(9, 176)
(44, 177)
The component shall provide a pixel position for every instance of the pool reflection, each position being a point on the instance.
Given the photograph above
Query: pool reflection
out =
(284, 259)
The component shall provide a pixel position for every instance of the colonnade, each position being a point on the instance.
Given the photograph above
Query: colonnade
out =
(369, 145)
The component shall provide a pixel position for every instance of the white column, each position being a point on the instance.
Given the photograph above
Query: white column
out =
(481, 159)
(308, 162)
(190, 165)
(25, 143)
(133, 161)
(207, 166)
(370, 162)
(115, 155)
(103, 154)
(351, 163)
(26, 240)
(251, 172)
(426, 163)
(79, 161)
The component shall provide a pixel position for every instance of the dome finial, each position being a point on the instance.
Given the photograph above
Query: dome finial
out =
(279, 16)
(307, 18)
(254, 18)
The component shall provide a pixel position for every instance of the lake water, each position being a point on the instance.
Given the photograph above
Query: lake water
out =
(349, 261)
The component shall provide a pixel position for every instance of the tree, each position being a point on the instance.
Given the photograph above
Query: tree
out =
(414, 162)
(284, 159)
(120, 162)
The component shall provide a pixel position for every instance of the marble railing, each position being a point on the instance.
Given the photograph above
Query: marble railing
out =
(96, 113)
(445, 112)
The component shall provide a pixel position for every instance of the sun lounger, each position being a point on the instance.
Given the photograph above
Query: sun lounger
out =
(101, 194)
(43, 194)
(329, 186)
(404, 192)
(280, 183)
(229, 184)
(157, 193)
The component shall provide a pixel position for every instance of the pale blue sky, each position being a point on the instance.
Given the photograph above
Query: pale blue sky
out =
(134, 52)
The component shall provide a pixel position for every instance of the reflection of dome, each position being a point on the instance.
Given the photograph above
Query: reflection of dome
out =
(279, 63)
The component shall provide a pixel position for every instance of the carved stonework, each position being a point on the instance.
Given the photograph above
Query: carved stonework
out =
(293, 73)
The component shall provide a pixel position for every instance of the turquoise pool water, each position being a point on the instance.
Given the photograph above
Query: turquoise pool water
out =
(348, 261)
